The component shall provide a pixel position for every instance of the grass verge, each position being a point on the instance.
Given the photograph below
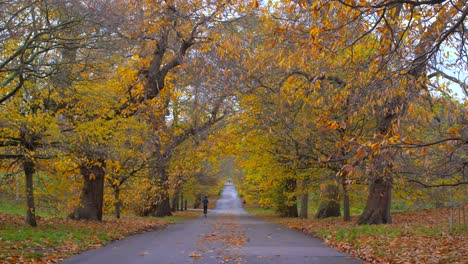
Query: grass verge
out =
(57, 238)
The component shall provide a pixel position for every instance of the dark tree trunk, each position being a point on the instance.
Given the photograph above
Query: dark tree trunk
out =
(329, 204)
(304, 205)
(304, 200)
(175, 202)
(92, 194)
(181, 201)
(346, 205)
(28, 167)
(118, 203)
(185, 205)
(161, 206)
(292, 208)
(288, 206)
(377, 209)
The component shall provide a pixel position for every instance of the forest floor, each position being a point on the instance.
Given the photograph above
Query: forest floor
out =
(421, 236)
(57, 238)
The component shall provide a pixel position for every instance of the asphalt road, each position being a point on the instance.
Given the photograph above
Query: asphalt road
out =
(227, 235)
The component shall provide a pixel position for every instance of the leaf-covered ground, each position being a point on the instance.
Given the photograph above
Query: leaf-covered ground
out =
(414, 237)
(57, 238)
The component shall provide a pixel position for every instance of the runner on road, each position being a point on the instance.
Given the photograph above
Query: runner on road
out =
(205, 205)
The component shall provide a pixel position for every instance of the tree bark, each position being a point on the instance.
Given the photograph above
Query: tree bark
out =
(175, 202)
(329, 204)
(28, 167)
(377, 209)
(346, 205)
(288, 206)
(92, 194)
(118, 203)
(181, 201)
(161, 205)
(304, 200)
(304, 205)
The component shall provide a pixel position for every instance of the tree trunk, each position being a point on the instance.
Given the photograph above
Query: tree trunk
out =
(304, 200)
(92, 194)
(161, 206)
(118, 203)
(377, 209)
(346, 209)
(304, 205)
(181, 201)
(288, 203)
(175, 202)
(185, 205)
(292, 208)
(28, 167)
(329, 204)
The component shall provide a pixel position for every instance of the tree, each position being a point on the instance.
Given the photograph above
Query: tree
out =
(127, 160)
(27, 136)
(29, 33)
(397, 69)
(30, 36)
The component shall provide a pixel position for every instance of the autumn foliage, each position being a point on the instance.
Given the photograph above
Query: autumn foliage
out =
(144, 106)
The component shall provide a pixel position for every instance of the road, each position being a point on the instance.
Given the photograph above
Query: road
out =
(228, 235)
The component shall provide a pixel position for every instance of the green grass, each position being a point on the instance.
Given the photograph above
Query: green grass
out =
(12, 207)
(44, 237)
(44, 234)
(18, 207)
(350, 234)
(436, 231)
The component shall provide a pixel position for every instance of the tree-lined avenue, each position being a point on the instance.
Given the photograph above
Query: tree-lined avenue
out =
(227, 235)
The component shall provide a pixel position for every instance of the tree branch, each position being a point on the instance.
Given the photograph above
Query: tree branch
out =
(425, 185)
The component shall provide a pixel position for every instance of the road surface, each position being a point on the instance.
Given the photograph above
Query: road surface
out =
(228, 235)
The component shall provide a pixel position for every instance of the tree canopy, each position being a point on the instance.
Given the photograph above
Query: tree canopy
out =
(120, 105)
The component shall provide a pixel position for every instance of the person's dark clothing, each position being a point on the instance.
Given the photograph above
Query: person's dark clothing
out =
(205, 205)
